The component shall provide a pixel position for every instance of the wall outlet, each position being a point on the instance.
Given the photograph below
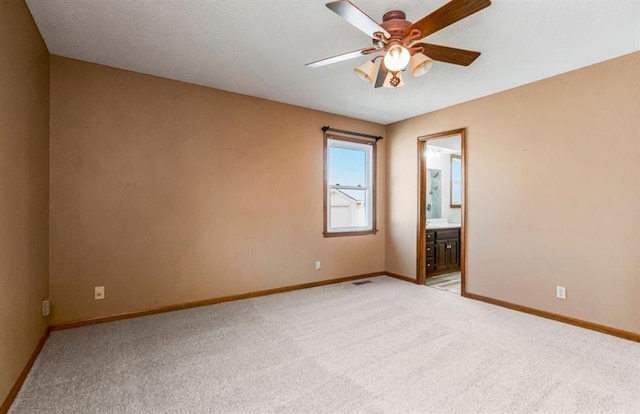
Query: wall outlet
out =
(46, 307)
(561, 292)
(98, 292)
(318, 265)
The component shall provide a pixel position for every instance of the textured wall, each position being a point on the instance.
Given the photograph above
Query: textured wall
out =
(553, 192)
(24, 188)
(166, 192)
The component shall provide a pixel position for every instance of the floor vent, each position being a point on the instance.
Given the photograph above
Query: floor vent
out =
(362, 282)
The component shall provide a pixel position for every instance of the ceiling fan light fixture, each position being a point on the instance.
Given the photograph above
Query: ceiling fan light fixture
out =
(366, 71)
(393, 80)
(420, 64)
(397, 58)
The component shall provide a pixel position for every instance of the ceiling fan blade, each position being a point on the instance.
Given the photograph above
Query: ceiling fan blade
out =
(340, 58)
(448, 14)
(382, 74)
(448, 54)
(355, 16)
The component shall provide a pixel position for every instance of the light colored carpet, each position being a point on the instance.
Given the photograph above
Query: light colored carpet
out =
(451, 282)
(383, 347)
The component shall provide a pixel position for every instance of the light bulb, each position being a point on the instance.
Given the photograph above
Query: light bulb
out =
(397, 58)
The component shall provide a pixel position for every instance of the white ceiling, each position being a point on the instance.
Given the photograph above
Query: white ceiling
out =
(260, 47)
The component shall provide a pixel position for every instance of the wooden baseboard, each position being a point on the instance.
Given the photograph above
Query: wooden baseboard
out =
(397, 276)
(560, 318)
(206, 302)
(4, 408)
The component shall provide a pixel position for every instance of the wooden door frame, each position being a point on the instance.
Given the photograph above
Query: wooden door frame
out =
(422, 204)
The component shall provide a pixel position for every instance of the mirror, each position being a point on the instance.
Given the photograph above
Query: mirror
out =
(455, 193)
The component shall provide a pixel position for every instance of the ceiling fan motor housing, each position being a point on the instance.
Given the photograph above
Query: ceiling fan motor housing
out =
(395, 22)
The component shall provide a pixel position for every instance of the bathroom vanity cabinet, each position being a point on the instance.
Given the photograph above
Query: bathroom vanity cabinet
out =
(443, 251)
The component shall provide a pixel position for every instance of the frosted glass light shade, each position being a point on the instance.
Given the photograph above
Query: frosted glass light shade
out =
(420, 64)
(397, 58)
(366, 71)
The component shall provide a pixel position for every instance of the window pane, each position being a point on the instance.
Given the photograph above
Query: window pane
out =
(347, 166)
(348, 208)
(456, 192)
(456, 181)
(456, 170)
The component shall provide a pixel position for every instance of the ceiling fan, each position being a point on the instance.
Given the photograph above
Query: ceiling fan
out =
(398, 39)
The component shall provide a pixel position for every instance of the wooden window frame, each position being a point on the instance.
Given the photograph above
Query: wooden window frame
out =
(372, 142)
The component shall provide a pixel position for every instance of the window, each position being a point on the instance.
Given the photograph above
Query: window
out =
(456, 181)
(349, 190)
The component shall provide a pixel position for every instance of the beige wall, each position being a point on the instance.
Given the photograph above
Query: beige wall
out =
(24, 164)
(166, 192)
(553, 192)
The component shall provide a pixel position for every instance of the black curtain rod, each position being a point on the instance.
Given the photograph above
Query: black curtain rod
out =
(358, 134)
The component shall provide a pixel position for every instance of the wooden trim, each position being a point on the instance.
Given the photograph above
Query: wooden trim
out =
(443, 134)
(421, 259)
(463, 215)
(421, 242)
(397, 276)
(349, 233)
(329, 135)
(560, 318)
(324, 183)
(205, 302)
(4, 408)
(374, 190)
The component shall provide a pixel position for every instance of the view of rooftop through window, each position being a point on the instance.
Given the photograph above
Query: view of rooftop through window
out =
(348, 168)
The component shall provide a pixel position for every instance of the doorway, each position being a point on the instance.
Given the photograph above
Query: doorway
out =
(441, 206)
